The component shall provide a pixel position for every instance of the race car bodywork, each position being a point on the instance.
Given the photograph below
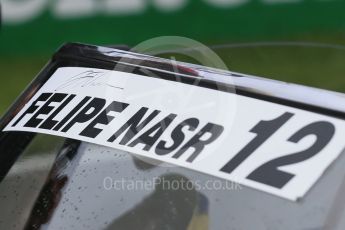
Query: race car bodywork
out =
(90, 183)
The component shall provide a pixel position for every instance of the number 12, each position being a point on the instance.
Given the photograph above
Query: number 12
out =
(268, 173)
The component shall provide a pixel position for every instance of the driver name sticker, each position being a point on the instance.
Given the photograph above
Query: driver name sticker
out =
(270, 147)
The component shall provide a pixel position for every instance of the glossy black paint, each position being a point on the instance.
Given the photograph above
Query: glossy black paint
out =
(80, 55)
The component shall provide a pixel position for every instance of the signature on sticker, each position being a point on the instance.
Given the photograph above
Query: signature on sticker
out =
(89, 78)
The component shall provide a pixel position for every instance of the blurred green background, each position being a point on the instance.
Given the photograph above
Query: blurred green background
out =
(299, 41)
